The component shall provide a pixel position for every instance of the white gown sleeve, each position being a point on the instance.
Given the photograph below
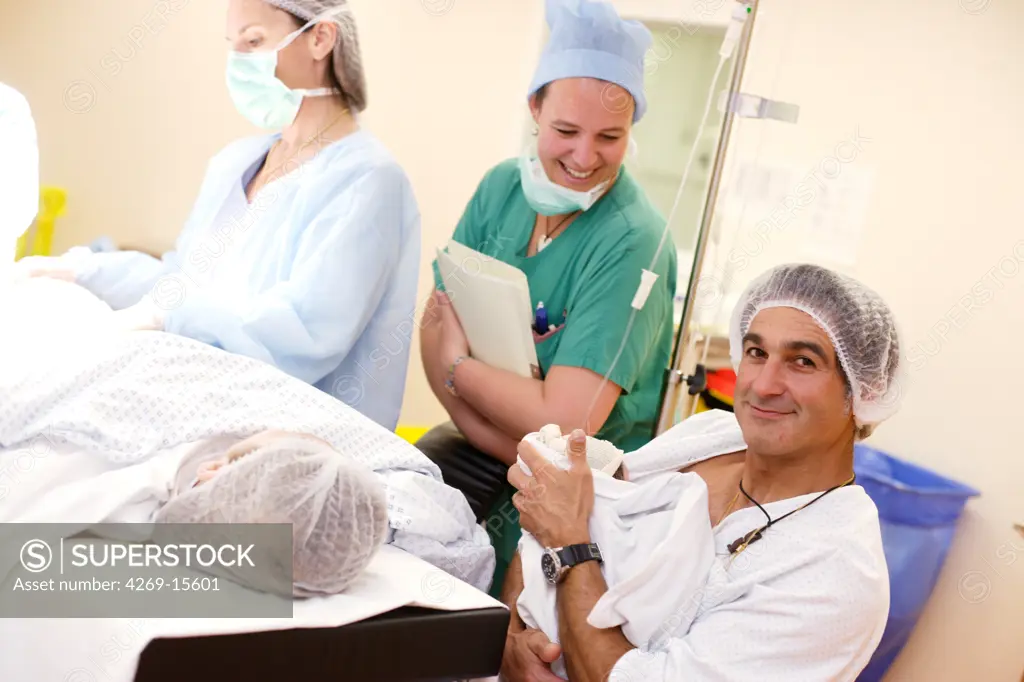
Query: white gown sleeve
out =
(119, 278)
(822, 622)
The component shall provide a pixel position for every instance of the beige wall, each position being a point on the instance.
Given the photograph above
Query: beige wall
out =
(934, 88)
(935, 93)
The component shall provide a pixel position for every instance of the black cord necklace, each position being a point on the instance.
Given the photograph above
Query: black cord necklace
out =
(546, 240)
(740, 544)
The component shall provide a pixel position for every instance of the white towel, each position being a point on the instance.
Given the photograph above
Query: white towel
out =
(655, 537)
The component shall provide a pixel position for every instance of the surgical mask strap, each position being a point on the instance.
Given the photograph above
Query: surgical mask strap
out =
(290, 38)
(318, 92)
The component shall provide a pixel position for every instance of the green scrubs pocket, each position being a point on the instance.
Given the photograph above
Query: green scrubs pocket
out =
(548, 349)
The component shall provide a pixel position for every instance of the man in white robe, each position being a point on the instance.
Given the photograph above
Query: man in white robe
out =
(798, 585)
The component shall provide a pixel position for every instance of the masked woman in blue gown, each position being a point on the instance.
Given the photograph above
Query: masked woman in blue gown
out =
(302, 249)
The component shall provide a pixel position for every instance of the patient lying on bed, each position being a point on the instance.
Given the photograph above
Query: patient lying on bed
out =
(131, 427)
(336, 506)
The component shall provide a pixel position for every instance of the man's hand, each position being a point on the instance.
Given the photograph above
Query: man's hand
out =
(555, 505)
(528, 657)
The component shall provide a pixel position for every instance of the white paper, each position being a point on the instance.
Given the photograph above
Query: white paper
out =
(492, 301)
(833, 234)
(817, 210)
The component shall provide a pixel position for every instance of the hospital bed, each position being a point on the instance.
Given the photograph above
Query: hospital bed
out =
(409, 643)
(402, 619)
(156, 396)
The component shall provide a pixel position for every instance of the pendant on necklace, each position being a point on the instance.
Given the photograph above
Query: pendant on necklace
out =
(543, 243)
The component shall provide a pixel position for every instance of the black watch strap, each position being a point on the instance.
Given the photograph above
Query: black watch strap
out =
(572, 555)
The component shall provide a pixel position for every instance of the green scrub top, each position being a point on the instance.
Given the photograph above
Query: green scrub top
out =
(587, 278)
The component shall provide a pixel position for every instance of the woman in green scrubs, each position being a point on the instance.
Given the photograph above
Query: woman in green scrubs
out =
(569, 215)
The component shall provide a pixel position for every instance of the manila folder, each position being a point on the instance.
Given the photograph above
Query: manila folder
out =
(492, 301)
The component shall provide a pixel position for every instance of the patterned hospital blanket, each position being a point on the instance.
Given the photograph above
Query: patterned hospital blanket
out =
(126, 397)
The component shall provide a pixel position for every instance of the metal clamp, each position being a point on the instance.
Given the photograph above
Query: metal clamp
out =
(698, 381)
(754, 106)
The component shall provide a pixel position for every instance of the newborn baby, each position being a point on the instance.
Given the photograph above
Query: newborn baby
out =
(640, 528)
(336, 506)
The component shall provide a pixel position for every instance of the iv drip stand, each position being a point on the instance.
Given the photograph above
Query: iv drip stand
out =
(675, 377)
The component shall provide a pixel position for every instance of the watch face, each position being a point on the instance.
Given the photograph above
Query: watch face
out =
(550, 564)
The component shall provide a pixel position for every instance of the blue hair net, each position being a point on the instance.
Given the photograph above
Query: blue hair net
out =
(590, 40)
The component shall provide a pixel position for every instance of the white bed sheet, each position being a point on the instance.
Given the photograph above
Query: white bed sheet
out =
(93, 431)
(56, 459)
(71, 383)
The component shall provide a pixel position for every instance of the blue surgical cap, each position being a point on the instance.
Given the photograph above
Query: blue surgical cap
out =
(590, 40)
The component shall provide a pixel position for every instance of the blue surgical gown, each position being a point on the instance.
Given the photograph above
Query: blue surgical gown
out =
(316, 276)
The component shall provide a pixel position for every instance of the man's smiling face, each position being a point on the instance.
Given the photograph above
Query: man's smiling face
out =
(791, 395)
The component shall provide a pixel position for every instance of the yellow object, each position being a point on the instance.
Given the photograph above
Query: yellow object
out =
(411, 433)
(38, 239)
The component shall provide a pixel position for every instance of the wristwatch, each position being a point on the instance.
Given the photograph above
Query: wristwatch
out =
(557, 561)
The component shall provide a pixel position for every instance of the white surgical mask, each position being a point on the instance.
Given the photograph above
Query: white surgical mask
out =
(547, 197)
(257, 92)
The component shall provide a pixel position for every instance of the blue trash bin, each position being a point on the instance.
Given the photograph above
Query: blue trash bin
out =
(918, 511)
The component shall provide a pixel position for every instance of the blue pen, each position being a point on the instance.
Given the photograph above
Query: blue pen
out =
(540, 321)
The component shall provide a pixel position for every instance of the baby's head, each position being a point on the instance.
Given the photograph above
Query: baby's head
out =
(336, 505)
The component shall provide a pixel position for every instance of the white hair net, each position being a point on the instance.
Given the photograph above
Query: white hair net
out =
(348, 59)
(858, 322)
(337, 508)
